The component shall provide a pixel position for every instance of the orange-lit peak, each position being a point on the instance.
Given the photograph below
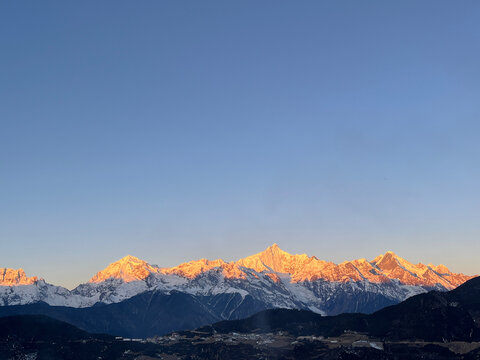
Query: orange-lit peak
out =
(195, 268)
(441, 269)
(388, 254)
(361, 261)
(392, 263)
(131, 259)
(128, 268)
(274, 258)
(387, 260)
(13, 277)
(395, 267)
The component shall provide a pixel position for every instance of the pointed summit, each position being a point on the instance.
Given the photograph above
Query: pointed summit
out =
(275, 250)
(387, 254)
(272, 258)
(395, 267)
(391, 260)
(390, 263)
(128, 269)
(387, 261)
(130, 259)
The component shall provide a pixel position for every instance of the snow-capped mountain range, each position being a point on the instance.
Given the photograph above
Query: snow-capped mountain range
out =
(272, 277)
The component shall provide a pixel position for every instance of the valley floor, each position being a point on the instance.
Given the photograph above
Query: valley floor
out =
(232, 346)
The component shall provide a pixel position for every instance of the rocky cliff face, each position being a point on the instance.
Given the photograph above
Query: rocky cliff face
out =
(12, 277)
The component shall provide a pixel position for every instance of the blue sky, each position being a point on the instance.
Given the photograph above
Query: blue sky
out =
(174, 130)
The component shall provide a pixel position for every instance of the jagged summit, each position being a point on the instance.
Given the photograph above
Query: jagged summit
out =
(193, 269)
(275, 259)
(395, 267)
(387, 255)
(128, 269)
(130, 258)
(14, 277)
(441, 269)
(387, 261)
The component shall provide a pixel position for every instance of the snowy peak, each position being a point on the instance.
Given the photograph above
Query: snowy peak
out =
(193, 269)
(388, 261)
(395, 267)
(12, 277)
(274, 259)
(128, 269)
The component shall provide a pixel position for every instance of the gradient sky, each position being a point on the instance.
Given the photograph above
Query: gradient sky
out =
(175, 130)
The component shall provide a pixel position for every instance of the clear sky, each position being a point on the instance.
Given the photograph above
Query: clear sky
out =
(175, 130)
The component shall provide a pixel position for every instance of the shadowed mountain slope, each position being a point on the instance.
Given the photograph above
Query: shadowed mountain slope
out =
(41, 328)
(147, 314)
(435, 316)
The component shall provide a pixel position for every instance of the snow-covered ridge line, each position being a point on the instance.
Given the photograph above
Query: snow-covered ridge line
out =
(301, 268)
(273, 276)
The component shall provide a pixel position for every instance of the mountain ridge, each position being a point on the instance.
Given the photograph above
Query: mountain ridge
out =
(12, 277)
(273, 278)
(273, 260)
(302, 267)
